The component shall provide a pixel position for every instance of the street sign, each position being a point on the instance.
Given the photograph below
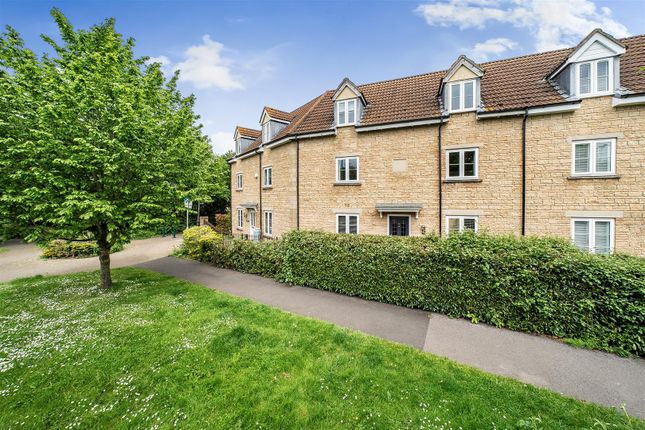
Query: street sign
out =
(187, 203)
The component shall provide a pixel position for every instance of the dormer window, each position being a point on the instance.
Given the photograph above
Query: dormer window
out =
(266, 132)
(346, 112)
(592, 68)
(462, 95)
(459, 89)
(349, 104)
(595, 77)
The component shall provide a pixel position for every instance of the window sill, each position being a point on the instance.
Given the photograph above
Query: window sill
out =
(268, 188)
(238, 190)
(353, 124)
(239, 228)
(578, 177)
(347, 184)
(451, 180)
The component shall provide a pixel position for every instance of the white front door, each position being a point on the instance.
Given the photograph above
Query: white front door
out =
(251, 222)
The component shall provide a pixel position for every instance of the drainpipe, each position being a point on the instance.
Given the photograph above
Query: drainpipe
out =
(230, 199)
(526, 116)
(260, 214)
(297, 184)
(440, 185)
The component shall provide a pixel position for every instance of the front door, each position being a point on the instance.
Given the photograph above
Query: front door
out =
(251, 221)
(399, 226)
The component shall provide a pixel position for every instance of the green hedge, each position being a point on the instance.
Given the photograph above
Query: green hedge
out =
(535, 285)
(75, 249)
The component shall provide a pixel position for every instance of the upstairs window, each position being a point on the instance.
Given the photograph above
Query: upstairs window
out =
(595, 77)
(346, 224)
(239, 181)
(347, 169)
(346, 112)
(268, 177)
(266, 132)
(238, 146)
(462, 163)
(461, 96)
(593, 235)
(459, 224)
(593, 157)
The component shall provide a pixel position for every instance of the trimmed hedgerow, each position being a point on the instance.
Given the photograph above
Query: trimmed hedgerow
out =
(535, 285)
(260, 258)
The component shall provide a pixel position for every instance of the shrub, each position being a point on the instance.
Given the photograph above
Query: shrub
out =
(205, 245)
(74, 249)
(223, 224)
(536, 285)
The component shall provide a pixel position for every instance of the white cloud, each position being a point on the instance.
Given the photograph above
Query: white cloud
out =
(553, 23)
(163, 61)
(205, 67)
(491, 48)
(222, 142)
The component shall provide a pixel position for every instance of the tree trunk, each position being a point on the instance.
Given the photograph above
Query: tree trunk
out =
(104, 258)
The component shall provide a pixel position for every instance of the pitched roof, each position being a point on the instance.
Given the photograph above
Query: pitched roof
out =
(278, 114)
(248, 132)
(510, 84)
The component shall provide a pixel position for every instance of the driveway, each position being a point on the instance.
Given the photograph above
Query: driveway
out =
(23, 259)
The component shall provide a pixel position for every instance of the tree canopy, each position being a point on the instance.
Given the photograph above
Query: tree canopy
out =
(94, 142)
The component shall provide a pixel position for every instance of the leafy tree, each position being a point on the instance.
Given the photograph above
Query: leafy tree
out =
(94, 143)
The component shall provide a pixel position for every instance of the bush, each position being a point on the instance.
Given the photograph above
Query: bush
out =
(205, 245)
(223, 224)
(535, 285)
(75, 249)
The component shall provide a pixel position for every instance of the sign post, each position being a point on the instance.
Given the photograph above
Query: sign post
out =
(188, 205)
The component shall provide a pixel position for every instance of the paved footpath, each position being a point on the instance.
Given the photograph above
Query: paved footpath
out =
(587, 375)
(23, 259)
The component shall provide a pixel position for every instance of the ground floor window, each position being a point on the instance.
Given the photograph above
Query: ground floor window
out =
(240, 218)
(268, 223)
(347, 224)
(593, 234)
(459, 224)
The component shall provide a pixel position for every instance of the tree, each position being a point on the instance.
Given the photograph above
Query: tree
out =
(93, 142)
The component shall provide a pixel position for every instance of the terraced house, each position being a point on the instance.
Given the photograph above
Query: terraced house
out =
(545, 144)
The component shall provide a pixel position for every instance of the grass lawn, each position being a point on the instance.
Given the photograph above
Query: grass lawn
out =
(157, 352)
(2, 249)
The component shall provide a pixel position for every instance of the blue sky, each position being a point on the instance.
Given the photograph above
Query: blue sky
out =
(237, 57)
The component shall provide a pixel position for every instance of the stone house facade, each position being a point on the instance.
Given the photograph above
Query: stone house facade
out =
(545, 144)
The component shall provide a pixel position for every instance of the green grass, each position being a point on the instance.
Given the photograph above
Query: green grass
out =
(3, 249)
(157, 352)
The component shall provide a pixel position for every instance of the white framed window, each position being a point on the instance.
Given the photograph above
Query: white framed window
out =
(595, 235)
(593, 157)
(595, 77)
(346, 112)
(240, 218)
(347, 223)
(240, 181)
(268, 223)
(238, 146)
(462, 163)
(459, 224)
(267, 176)
(461, 96)
(266, 131)
(347, 169)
